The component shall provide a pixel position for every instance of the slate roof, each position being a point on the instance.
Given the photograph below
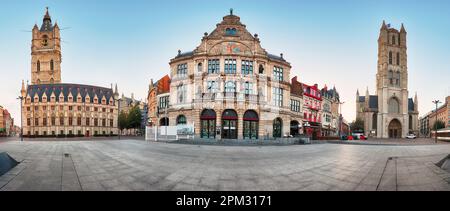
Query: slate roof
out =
(189, 53)
(274, 57)
(66, 89)
(373, 101)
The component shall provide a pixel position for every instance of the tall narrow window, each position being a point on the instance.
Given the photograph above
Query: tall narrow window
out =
(51, 65)
(247, 67)
(398, 58)
(248, 88)
(393, 39)
(38, 66)
(390, 57)
(199, 67)
(277, 96)
(397, 78)
(181, 91)
(391, 76)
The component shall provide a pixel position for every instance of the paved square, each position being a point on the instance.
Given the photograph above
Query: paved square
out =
(137, 165)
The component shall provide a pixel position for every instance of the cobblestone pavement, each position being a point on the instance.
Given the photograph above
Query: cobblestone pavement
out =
(378, 141)
(138, 165)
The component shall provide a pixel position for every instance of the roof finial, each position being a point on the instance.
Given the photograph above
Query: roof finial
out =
(231, 11)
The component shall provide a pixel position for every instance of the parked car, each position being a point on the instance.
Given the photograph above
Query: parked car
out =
(344, 137)
(357, 135)
(362, 137)
(411, 136)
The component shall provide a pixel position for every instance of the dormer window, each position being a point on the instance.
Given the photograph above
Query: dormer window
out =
(230, 31)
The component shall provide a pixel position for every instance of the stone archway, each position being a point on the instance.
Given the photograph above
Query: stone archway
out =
(395, 129)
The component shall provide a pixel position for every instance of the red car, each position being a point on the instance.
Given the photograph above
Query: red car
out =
(362, 137)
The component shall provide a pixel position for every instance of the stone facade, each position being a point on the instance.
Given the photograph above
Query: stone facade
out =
(46, 53)
(156, 92)
(390, 113)
(51, 108)
(330, 112)
(230, 87)
(6, 123)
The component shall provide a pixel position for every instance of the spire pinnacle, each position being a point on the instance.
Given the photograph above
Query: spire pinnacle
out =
(403, 30)
(231, 11)
(384, 26)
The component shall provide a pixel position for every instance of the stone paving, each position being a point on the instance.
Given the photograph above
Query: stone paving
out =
(137, 165)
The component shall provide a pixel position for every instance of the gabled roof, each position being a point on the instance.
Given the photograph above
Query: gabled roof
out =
(67, 89)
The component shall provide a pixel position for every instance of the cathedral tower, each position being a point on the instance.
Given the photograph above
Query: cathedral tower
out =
(46, 53)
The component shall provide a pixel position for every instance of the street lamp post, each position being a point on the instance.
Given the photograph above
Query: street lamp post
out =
(340, 119)
(435, 123)
(118, 119)
(21, 119)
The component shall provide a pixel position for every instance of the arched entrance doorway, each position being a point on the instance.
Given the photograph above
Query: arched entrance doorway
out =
(295, 126)
(395, 129)
(229, 124)
(208, 124)
(251, 121)
(277, 128)
(164, 121)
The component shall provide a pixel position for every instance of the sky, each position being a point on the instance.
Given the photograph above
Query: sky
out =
(328, 42)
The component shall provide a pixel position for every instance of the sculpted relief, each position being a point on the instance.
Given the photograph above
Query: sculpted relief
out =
(230, 48)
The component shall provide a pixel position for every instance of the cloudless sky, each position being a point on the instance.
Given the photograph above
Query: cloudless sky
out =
(332, 42)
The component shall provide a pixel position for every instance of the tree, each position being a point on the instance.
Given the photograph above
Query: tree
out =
(134, 118)
(123, 120)
(439, 124)
(357, 125)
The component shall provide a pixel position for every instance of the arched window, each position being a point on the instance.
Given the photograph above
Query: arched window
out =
(390, 57)
(181, 120)
(51, 65)
(393, 39)
(261, 69)
(230, 86)
(164, 121)
(200, 67)
(398, 58)
(390, 77)
(374, 121)
(38, 66)
(397, 78)
(44, 40)
(394, 106)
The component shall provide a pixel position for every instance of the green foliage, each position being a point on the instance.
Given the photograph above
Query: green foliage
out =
(123, 120)
(134, 117)
(357, 125)
(130, 120)
(439, 124)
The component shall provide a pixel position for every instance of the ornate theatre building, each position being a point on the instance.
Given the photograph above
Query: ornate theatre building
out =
(230, 87)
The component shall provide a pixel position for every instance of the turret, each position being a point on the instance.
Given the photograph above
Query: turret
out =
(416, 103)
(357, 95)
(23, 91)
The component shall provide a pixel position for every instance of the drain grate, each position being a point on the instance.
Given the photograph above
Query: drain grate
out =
(6, 163)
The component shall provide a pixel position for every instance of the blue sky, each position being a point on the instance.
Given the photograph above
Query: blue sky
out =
(332, 42)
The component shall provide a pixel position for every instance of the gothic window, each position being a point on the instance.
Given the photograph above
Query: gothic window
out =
(394, 106)
(397, 78)
(51, 65)
(390, 57)
(38, 66)
(44, 40)
(374, 121)
(391, 76)
(398, 58)
(393, 39)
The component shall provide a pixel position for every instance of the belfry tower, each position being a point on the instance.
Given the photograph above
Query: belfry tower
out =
(46, 53)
